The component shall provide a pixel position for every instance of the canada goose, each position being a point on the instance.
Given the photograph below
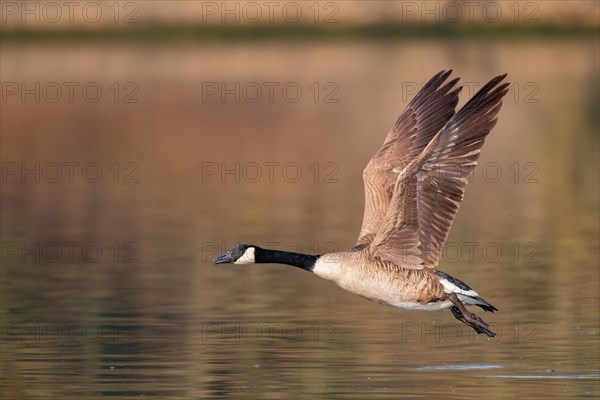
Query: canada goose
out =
(413, 187)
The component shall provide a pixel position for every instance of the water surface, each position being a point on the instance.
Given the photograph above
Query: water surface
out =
(107, 285)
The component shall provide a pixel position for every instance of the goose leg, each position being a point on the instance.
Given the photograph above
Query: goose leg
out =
(468, 318)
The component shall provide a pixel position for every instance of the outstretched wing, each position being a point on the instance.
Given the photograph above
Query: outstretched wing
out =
(428, 191)
(424, 116)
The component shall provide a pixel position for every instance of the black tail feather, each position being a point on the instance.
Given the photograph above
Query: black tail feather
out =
(485, 305)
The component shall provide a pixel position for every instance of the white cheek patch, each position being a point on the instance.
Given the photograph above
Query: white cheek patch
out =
(247, 257)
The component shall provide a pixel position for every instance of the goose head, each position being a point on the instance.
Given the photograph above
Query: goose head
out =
(240, 254)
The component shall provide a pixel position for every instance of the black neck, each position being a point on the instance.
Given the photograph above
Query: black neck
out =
(304, 261)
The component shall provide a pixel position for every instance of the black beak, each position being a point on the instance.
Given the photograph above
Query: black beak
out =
(224, 259)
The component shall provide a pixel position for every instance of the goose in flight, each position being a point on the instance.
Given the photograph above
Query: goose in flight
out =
(413, 187)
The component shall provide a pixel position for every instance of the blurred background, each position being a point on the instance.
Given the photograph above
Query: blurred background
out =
(139, 139)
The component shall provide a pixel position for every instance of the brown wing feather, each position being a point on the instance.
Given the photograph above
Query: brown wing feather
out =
(444, 175)
(424, 116)
(429, 190)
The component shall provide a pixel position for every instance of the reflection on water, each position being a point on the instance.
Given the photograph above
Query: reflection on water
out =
(458, 367)
(547, 376)
(107, 286)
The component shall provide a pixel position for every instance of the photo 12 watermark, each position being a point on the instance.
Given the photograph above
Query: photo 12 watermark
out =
(270, 12)
(525, 172)
(291, 332)
(70, 92)
(519, 92)
(454, 332)
(269, 172)
(270, 92)
(69, 12)
(455, 12)
(69, 252)
(26, 172)
(67, 332)
(490, 252)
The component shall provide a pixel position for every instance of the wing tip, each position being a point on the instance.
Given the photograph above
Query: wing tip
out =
(447, 73)
(437, 80)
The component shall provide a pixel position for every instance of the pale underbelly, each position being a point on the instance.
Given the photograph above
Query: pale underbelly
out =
(399, 301)
(406, 304)
(436, 306)
(393, 298)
